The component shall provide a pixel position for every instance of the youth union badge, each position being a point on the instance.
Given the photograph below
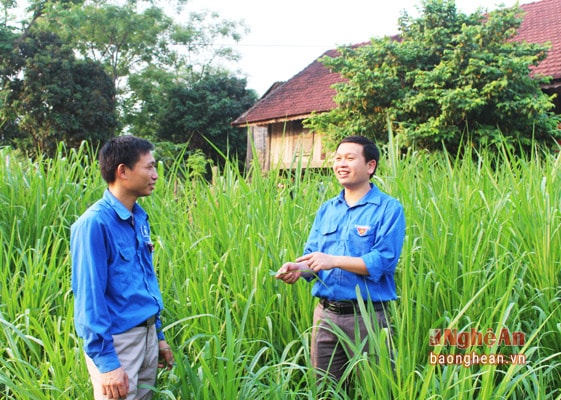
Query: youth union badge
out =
(362, 230)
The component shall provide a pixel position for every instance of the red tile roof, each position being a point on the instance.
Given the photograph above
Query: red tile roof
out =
(542, 24)
(311, 89)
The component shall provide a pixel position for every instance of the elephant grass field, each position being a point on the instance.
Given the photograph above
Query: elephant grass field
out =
(478, 314)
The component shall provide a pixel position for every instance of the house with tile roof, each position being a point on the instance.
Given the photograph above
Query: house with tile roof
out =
(275, 122)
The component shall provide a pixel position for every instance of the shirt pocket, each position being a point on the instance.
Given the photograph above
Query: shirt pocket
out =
(361, 243)
(328, 237)
(123, 268)
(126, 254)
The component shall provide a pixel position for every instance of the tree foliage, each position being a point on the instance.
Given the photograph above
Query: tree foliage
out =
(50, 96)
(132, 36)
(447, 78)
(200, 116)
(57, 91)
(121, 38)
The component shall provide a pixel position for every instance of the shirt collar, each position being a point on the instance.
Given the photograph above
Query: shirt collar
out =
(372, 196)
(122, 211)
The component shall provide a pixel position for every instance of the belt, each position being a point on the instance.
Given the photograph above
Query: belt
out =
(149, 322)
(348, 306)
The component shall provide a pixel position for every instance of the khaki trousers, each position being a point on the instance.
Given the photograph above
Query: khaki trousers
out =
(137, 350)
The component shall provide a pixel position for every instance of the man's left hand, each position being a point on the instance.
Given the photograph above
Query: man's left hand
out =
(165, 355)
(317, 261)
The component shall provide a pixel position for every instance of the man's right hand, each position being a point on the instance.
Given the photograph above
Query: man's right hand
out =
(115, 384)
(290, 272)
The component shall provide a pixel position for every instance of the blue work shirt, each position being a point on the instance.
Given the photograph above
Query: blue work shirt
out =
(373, 229)
(113, 279)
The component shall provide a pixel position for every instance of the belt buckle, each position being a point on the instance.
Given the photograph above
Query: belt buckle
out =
(336, 306)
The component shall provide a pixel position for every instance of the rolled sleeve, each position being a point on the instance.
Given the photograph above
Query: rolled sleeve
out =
(383, 258)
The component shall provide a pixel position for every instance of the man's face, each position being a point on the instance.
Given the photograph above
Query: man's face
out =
(141, 179)
(350, 167)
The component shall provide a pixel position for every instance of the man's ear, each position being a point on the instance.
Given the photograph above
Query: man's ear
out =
(372, 165)
(121, 171)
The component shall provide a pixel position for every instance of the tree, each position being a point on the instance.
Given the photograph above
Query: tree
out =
(132, 36)
(120, 37)
(447, 78)
(7, 120)
(145, 52)
(202, 113)
(52, 97)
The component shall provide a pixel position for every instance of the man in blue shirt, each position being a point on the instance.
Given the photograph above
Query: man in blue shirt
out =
(117, 297)
(352, 251)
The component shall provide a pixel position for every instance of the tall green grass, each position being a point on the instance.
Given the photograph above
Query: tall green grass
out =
(482, 252)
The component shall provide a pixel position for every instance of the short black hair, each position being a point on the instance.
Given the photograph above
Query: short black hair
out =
(121, 150)
(369, 149)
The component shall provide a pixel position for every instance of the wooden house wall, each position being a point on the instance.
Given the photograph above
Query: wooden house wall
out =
(257, 139)
(291, 145)
(285, 145)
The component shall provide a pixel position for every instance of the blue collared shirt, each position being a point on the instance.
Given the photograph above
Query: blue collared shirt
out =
(113, 279)
(373, 229)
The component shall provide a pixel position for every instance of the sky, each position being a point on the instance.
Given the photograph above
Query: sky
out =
(286, 36)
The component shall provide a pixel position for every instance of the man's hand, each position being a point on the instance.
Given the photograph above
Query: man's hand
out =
(290, 272)
(165, 355)
(115, 384)
(317, 261)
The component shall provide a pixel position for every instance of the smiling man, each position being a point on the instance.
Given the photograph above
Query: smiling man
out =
(352, 250)
(117, 296)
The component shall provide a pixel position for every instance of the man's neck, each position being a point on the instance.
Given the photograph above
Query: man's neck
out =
(353, 195)
(121, 195)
